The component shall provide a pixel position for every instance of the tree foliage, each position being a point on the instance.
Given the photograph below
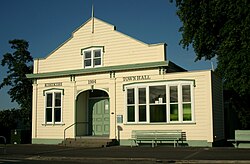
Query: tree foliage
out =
(219, 28)
(19, 64)
(12, 119)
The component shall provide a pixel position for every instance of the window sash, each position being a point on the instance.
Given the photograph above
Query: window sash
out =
(97, 62)
(142, 113)
(173, 94)
(131, 113)
(97, 53)
(157, 94)
(87, 55)
(187, 111)
(87, 63)
(142, 104)
(174, 112)
(131, 96)
(186, 94)
(49, 100)
(53, 109)
(48, 115)
(158, 113)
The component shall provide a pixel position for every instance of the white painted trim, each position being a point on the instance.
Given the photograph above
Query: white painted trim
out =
(53, 91)
(92, 49)
(168, 84)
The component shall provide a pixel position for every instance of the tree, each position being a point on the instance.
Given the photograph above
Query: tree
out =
(218, 28)
(9, 120)
(19, 64)
(12, 120)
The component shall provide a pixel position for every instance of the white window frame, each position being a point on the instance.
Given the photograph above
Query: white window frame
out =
(178, 101)
(156, 103)
(137, 98)
(192, 100)
(130, 104)
(53, 92)
(179, 85)
(92, 58)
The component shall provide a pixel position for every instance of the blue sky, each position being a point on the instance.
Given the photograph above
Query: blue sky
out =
(45, 24)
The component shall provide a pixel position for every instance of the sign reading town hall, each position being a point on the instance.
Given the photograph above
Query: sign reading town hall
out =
(136, 78)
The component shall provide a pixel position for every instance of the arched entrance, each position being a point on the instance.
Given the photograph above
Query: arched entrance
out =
(92, 113)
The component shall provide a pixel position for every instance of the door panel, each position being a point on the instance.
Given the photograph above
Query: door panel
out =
(99, 116)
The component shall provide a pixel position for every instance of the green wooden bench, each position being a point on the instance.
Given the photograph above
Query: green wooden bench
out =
(241, 136)
(154, 136)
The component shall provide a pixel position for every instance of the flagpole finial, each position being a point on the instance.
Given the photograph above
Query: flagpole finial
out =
(92, 13)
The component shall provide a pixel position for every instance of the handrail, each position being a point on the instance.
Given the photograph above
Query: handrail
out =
(4, 139)
(64, 132)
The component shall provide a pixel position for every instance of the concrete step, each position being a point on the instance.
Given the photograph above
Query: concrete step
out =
(89, 142)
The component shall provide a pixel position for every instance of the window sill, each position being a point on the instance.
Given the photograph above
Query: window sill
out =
(161, 123)
(89, 67)
(53, 124)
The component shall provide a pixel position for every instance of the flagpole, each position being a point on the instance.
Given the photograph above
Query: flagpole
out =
(92, 16)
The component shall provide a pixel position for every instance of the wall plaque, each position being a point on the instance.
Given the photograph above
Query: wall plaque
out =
(92, 81)
(53, 84)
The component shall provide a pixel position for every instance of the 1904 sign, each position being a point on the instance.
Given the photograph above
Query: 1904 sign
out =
(91, 81)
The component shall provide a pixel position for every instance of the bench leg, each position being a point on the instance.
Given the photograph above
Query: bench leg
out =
(174, 143)
(132, 143)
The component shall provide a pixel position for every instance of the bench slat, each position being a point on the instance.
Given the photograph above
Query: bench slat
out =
(156, 135)
(241, 136)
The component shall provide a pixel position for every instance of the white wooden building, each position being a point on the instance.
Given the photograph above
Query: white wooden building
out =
(101, 82)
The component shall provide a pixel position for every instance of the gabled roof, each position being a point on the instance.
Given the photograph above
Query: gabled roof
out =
(90, 19)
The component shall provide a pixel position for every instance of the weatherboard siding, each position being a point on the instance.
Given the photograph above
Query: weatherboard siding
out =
(54, 131)
(194, 131)
(119, 49)
(198, 130)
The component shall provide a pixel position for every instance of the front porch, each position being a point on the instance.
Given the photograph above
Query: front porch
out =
(92, 121)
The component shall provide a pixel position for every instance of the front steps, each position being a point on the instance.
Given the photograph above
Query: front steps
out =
(89, 142)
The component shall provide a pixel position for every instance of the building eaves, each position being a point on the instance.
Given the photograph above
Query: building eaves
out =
(98, 70)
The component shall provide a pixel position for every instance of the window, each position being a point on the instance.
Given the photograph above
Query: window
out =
(53, 107)
(174, 112)
(87, 59)
(136, 113)
(142, 105)
(92, 57)
(97, 58)
(186, 103)
(131, 105)
(163, 102)
(157, 96)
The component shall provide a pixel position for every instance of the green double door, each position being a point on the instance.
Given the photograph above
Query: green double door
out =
(99, 117)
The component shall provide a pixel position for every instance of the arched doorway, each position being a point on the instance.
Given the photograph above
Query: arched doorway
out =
(92, 113)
